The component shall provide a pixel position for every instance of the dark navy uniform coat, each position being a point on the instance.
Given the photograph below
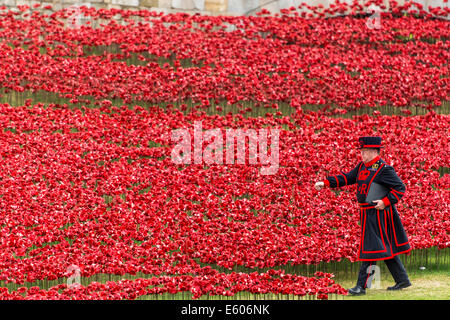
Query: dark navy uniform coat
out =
(382, 232)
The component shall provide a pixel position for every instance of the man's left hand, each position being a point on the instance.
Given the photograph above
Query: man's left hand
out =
(379, 204)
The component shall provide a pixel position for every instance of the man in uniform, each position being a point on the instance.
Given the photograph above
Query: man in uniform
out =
(382, 233)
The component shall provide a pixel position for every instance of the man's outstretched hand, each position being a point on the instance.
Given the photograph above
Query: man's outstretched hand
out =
(379, 204)
(319, 185)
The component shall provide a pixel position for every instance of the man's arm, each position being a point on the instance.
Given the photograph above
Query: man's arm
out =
(389, 178)
(340, 180)
(343, 179)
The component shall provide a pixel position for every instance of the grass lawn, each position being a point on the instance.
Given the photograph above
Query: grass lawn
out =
(428, 271)
(432, 285)
(426, 285)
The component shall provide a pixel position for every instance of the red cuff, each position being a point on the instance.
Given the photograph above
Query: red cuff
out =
(326, 182)
(386, 201)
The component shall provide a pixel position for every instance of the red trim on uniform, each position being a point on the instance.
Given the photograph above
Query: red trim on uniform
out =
(363, 224)
(382, 165)
(386, 201)
(371, 162)
(345, 178)
(389, 217)
(326, 182)
(402, 252)
(372, 207)
(398, 199)
(337, 181)
(368, 275)
(397, 191)
(392, 254)
(371, 146)
(385, 258)
(393, 230)
(381, 234)
(386, 219)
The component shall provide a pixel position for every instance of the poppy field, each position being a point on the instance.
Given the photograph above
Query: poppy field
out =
(92, 205)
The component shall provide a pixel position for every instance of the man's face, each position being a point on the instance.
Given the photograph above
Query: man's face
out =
(368, 154)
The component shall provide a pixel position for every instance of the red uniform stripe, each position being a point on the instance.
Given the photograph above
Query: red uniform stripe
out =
(368, 275)
(393, 230)
(398, 199)
(371, 146)
(345, 178)
(368, 187)
(337, 181)
(386, 219)
(381, 234)
(385, 258)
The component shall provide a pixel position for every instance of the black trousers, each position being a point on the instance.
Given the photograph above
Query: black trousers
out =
(394, 265)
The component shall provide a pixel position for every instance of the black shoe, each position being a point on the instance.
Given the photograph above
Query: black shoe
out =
(400, 285)
(357, 291)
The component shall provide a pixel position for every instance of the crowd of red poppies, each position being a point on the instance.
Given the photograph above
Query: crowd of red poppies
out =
(338, 62)
(97, 187)
(209, 282)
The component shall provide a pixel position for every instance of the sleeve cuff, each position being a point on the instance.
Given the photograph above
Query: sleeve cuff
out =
(326, 182)
(386, 201)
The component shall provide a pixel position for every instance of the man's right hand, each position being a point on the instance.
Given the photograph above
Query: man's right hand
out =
(319, 185)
